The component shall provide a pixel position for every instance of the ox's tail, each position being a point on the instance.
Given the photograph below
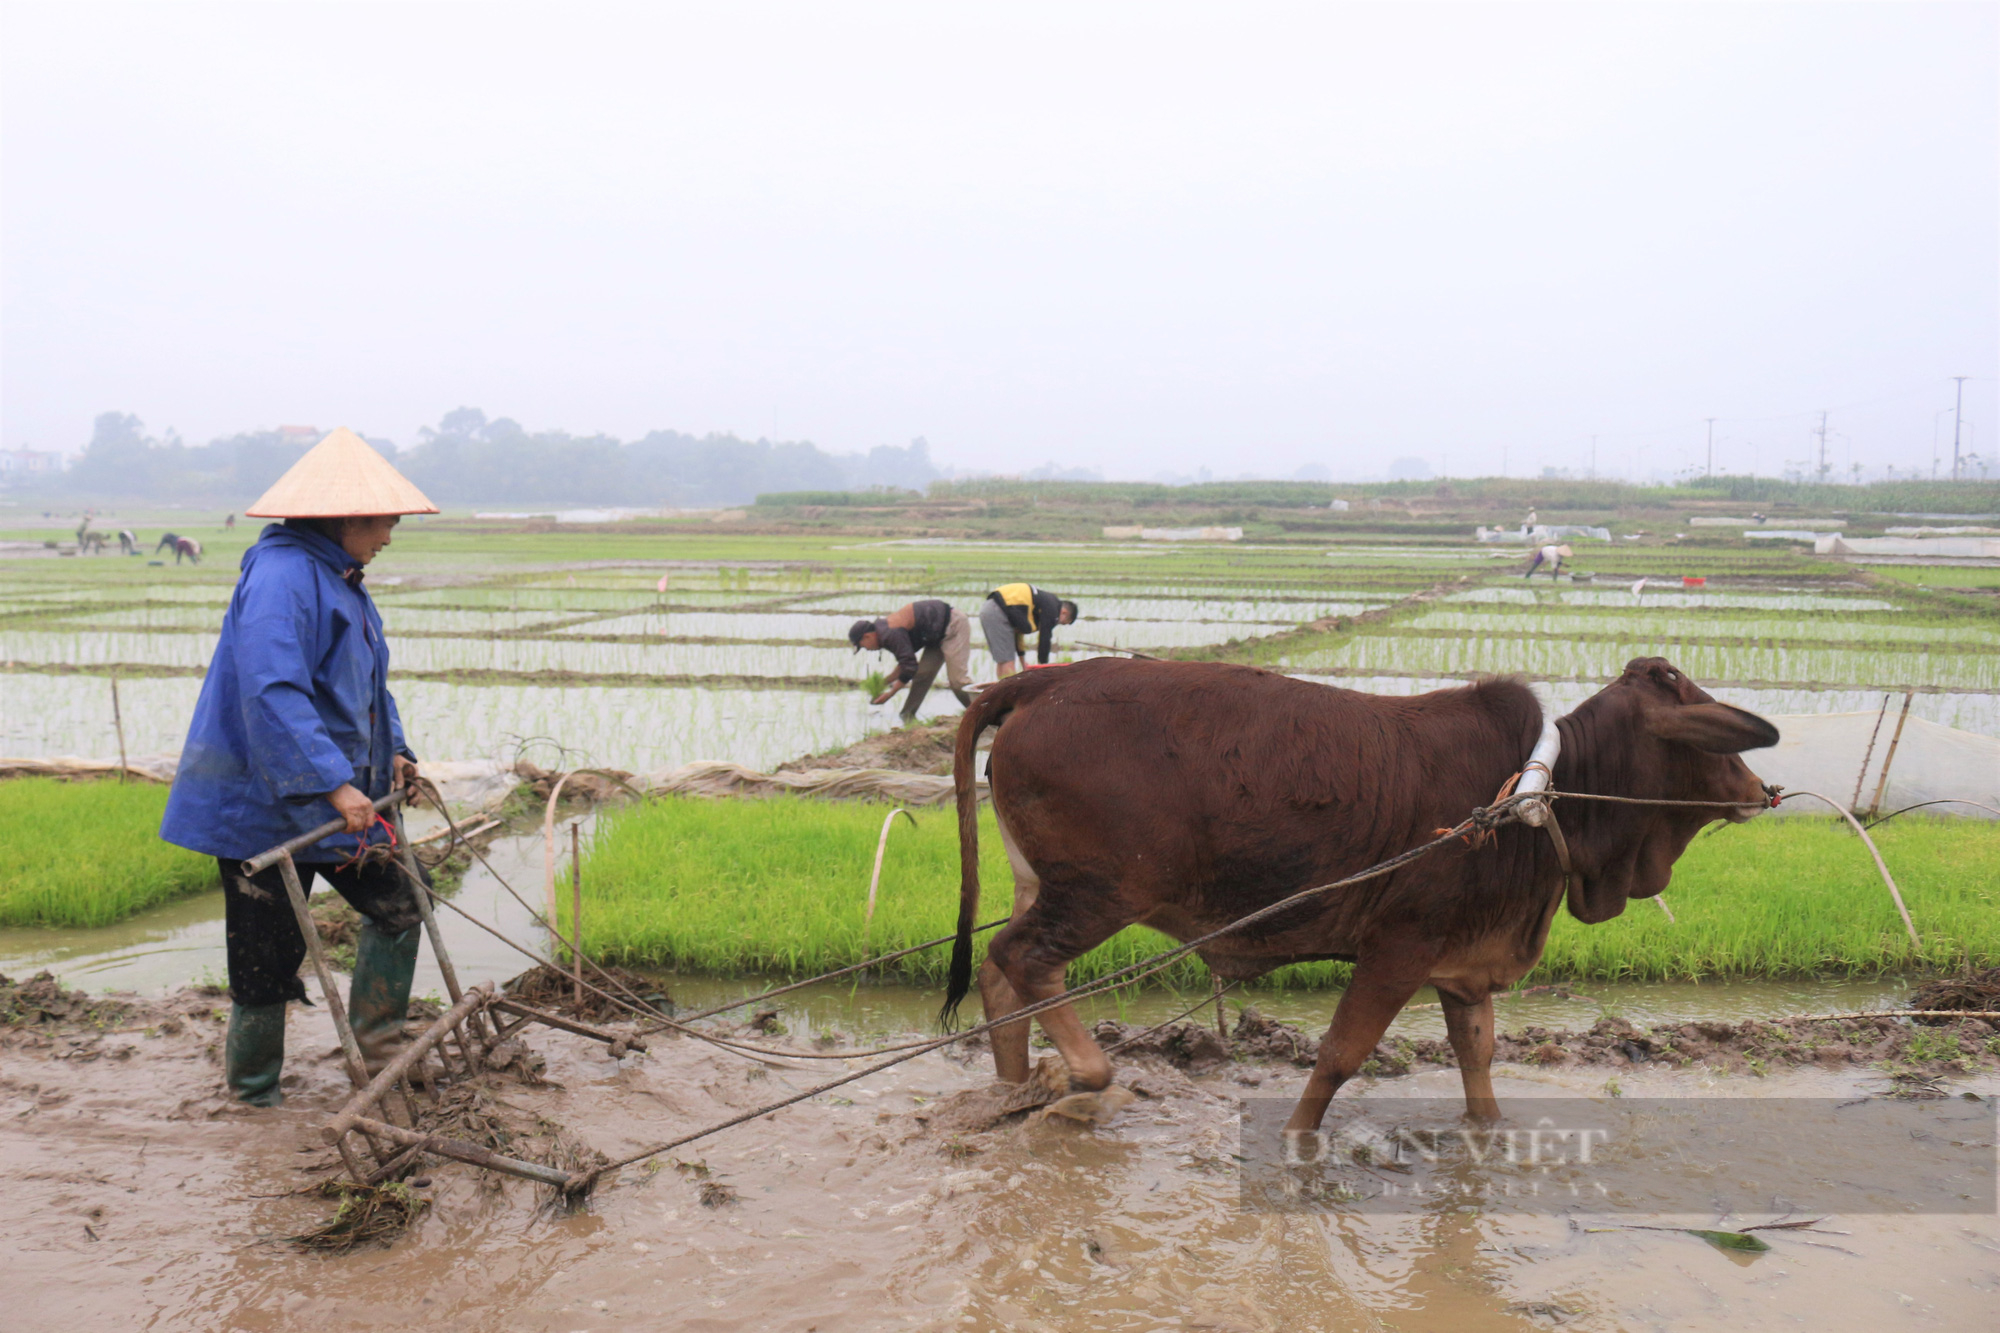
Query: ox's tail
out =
(987, 710)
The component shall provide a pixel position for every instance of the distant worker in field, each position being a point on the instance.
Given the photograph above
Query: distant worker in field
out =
(1552, 556)
(939, 631)
(229, 523)
(294, 728)
(189, 547)
(128, 542)
(1013, 611)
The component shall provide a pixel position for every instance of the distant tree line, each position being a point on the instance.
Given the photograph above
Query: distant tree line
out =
(1551, 494)
(469, 459)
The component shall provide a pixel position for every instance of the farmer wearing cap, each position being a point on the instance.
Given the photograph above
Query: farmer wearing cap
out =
(1013, 611)
(936, 629)
(295, 727)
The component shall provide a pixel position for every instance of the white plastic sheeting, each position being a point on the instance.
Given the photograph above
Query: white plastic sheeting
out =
(1824, 752)
(1956, 548)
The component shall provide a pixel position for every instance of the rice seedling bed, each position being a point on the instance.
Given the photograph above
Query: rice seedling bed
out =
(1622, 597)
(88, 853)
(1847, 626)
(1971, 669)
(1940, 576)
(781, 885)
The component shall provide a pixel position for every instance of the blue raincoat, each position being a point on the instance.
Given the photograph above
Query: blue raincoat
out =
(296, 703)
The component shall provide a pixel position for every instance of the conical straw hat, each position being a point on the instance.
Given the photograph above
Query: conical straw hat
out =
(341, 477)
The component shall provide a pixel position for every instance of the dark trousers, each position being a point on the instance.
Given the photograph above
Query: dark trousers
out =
(265, 946)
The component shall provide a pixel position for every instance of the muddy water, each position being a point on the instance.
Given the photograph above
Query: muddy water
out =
(849, 1213)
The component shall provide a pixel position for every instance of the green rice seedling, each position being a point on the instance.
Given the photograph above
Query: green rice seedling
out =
(88, 853)
(1799, 897)
(781, 886)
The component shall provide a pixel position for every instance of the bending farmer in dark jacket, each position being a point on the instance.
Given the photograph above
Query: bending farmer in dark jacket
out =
(295, 727)
(1013, 611)
(936, 629)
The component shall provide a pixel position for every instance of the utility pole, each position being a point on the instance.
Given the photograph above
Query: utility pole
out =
(1711, 445)
(1821, 432)
(1957, 411)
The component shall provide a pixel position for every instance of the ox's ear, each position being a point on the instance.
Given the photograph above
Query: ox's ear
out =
(1714, 728)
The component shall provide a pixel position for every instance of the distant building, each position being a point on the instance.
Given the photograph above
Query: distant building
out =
(29, 462)
(305, 435)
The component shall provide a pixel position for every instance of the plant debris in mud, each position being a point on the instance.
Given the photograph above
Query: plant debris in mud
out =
(713, 1193)
(551, 988)
(339, 930)
(368, 1215)
(1970, 990)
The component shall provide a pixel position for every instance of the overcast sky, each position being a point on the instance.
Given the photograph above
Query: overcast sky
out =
(1136, 238)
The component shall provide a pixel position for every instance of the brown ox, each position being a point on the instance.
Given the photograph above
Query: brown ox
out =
(1186, 795)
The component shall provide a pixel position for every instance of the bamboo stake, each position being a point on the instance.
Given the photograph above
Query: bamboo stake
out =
(875, 881)
(1862, 776)
(1880, 864)
(1909, 696)
(118, 720)
(576, 914)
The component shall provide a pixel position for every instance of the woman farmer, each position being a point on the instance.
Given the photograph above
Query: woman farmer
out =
(294, 728)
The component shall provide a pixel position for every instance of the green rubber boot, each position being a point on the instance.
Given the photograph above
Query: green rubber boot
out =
(253, 1054)
(379, 999)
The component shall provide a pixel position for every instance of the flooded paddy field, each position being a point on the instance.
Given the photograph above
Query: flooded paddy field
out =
(135, 1194)
(679, 649)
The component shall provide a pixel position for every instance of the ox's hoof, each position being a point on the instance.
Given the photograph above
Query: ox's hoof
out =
(1090, 1108)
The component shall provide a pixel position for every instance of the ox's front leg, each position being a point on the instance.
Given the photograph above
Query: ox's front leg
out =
(1383, 983)
(1470, 1027)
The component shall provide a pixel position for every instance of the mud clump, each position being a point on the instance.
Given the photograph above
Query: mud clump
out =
(979, 1109)
(597, 786)
(552, 989)
(1259, 1038)
(926, 749)
(1187, 1046)
(41, 1001)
